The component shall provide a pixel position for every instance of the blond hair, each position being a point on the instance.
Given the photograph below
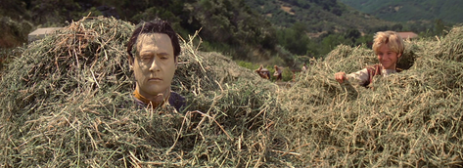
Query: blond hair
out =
(389, 38)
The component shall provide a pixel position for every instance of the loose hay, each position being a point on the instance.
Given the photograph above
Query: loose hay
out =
(410, 119)
(66, 102)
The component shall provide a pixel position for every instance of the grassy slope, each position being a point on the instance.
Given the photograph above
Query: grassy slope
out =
(315, 16)
(448, 10)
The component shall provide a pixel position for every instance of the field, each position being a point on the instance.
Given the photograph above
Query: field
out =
(66, 102)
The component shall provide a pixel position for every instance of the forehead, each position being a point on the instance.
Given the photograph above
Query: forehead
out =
(155, 42)
(384, 47)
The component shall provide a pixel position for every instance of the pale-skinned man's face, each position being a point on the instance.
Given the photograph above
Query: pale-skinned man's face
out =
(154, 66)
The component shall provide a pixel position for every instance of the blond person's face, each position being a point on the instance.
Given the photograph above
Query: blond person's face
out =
(154, 66)
(387, 57)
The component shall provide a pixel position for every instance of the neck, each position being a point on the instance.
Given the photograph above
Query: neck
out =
(389, 68)
(152, 100)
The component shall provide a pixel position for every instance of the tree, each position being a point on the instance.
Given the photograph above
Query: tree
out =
(352, 34)
(294, 39)
(439, 27)
(397, 27)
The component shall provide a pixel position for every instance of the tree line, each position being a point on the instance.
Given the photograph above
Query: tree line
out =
(228, 26)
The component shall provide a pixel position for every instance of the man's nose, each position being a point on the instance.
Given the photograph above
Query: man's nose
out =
(154, 65)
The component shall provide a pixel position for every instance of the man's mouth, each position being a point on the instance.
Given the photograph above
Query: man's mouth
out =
(154, 79)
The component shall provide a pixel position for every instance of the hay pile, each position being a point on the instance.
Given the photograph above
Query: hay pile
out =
(67, 102)
(410, 119)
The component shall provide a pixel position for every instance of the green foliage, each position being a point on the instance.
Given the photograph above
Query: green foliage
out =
(331, 41)
(287, 74)
(406, 10)
(55, 12)
(316, 15)
(14, 33)
(248, 65)
(233, 23)
(294, 39)
(14, 9)
(228, 26)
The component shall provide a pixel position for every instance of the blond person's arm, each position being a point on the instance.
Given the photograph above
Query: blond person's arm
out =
(340, 77)
(360, 76)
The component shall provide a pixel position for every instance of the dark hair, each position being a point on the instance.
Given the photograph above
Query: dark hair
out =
(155, 26)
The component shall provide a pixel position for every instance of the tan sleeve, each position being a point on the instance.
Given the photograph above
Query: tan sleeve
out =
(359, 77)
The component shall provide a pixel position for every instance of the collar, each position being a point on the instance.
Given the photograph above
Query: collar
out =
(149, 102)
(388, 71)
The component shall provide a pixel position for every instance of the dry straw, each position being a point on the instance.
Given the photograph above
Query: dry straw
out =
(410, 119)
(67, 102)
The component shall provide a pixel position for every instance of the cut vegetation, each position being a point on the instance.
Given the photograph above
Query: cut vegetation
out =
(66, 102)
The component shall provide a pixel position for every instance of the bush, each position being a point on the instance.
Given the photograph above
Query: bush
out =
(14, 33)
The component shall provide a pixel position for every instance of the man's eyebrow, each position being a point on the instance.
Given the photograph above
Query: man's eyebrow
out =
(162, 53)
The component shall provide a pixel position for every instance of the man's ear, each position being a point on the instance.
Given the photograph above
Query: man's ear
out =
(131, 62)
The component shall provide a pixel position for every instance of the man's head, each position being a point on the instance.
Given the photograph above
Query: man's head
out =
(153, 50)
(155, 26)
(389, 47)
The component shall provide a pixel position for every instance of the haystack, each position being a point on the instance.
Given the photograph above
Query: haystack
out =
(408, 119)
(67, 102)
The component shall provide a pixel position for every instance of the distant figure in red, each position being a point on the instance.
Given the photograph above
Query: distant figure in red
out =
(277, 73)
(263, 72)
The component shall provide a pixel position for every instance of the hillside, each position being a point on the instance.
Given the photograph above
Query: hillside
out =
(227, 26)
(241, 29)
(318, 16)
(409, 10)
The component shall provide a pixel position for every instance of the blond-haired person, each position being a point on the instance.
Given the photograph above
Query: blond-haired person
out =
(389, 47)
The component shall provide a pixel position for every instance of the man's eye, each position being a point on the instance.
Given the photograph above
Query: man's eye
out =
(145, 57)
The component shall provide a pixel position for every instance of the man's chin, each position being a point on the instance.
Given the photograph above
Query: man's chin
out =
(155, 92)
(388, 67)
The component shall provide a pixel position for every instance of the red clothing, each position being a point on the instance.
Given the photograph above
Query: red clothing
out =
(175, 100)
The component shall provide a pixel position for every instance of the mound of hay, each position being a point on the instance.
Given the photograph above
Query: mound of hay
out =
(67, 102)
(451, 47)
(411, 119)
